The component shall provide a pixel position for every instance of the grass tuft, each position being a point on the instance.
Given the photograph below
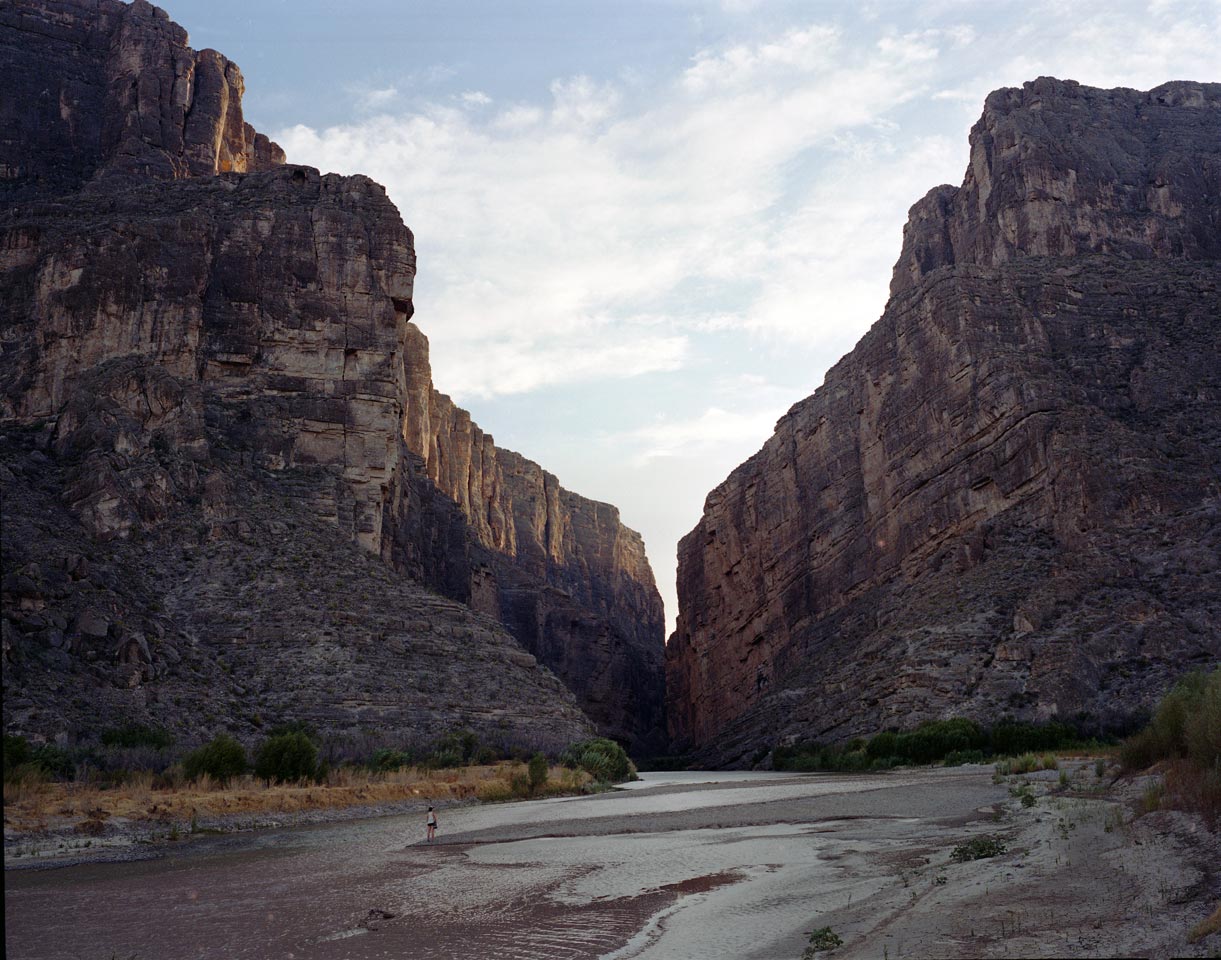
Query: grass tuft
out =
(1206, 927)
(978, 848)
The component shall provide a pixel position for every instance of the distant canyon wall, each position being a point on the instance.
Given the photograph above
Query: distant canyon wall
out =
(148, 224)
(1005, 500)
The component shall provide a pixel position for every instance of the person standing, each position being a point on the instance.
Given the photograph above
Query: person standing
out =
(432, 825)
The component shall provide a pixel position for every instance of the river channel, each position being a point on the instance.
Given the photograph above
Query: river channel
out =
(686, 865)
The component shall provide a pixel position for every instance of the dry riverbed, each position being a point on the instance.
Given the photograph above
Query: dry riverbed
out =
(677, 866)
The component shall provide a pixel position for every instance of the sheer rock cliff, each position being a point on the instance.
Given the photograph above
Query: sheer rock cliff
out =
(1005, 500)
(192, 327)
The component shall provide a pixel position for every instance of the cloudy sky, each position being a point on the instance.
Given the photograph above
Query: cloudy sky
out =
(645, 228)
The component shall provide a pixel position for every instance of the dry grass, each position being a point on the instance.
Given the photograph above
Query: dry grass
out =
(39, 806)
(1207, 926)
(1191, 787)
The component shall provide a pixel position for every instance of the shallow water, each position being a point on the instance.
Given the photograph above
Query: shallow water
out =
(679, 865)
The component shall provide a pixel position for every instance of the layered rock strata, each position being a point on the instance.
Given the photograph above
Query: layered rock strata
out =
(179, 301)
(1005, 499)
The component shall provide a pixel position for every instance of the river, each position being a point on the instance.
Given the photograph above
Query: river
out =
(686, 865)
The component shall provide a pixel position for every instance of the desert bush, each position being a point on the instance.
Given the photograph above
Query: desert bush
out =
(824, 938)
(220, 759)
(170, 778)
(537, 772)
(455, 749)
(807, 756)
(933, 740)
(58, 762)
(978, 848)
(883, 745)
(1202, 728)
(137, 735)
(1189, 786)
(17, 752)
(601, 758)
(1026, 763)
(287, 758)
(959, 757)
(295, 726)
(1187, 723)
(385, 759)
(1010, 737)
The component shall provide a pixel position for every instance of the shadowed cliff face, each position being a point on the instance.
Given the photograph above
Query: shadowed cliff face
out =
(177, 299)
(1005, 499)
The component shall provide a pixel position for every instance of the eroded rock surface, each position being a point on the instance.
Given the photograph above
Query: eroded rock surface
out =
(188, 316)
(1005, 499)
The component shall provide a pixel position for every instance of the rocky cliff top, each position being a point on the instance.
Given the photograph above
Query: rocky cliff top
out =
(1059, 169)
(126, 98)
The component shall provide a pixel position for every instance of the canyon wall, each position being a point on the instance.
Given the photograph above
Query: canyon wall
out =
(1005, 500)
(183, 309)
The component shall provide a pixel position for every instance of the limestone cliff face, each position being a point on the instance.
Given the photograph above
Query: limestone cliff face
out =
(1004, 500)
(598, 621)
(178, 300)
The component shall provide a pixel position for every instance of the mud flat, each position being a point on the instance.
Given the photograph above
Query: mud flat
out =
(681, 865)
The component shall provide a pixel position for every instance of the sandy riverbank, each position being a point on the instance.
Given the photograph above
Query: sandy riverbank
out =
(671, 869)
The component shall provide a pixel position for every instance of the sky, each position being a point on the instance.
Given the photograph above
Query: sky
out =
(645, 229)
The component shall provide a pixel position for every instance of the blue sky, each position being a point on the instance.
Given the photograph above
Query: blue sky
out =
(646, 229)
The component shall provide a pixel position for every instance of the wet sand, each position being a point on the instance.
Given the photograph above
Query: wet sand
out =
(672, 868)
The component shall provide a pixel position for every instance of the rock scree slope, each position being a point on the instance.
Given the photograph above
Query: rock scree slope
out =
(207, 353)
(1006, 500)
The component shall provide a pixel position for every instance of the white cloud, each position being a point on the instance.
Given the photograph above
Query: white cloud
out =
(525, 365)
(762, 188)
(805, 49)
(369, 99)
(712, 430)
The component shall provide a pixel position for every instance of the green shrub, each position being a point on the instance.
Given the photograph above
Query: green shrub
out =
(601, 758)
(455, 749)
(1202, 728)
(295, 726)
(959, 757)
(287, 758)
(222, 758)
(16, 752)
(1186, 723)
(385, 759)
(823, 938)
(485, 757)
(1010, 737)
(978, 848)
(537, 772)
(57, 762)
(137, 735)
(883, 745)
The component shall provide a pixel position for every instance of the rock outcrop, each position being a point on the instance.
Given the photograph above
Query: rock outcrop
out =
(181, 305)
(1006, 500)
